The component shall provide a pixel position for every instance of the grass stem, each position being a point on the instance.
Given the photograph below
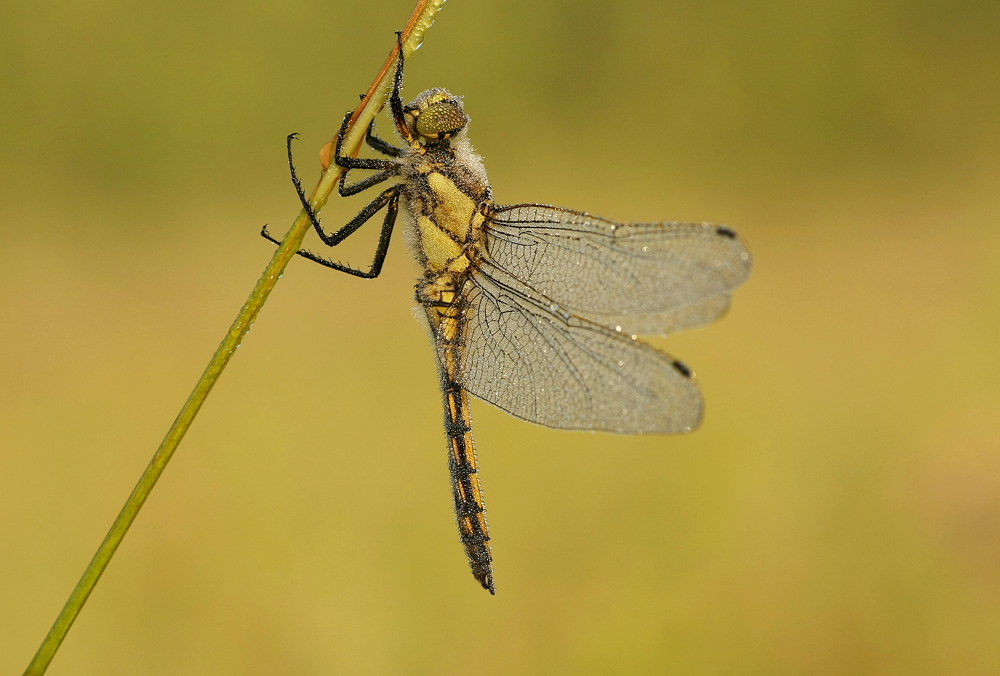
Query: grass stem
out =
(421, 19)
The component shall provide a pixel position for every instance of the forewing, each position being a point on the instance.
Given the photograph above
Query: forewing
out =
(648, 277)
(548, 366)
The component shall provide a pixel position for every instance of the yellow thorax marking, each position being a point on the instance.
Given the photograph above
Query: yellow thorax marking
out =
(459, 264)
(454, 209)
(437, 245)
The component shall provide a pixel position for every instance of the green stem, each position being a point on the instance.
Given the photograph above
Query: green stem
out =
(420, 20)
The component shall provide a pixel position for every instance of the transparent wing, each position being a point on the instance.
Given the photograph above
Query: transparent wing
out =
(546, 365)
(682, 272)
(671, 321)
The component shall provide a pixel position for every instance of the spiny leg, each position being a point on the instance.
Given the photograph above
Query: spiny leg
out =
(390, 198)
(298, 188)
(345, 190)
(354, 224)
(389, 167)
(378, 144)
(395, 102)
(348, 162)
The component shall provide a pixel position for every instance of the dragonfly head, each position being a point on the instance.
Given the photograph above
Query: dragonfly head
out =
(435, 117)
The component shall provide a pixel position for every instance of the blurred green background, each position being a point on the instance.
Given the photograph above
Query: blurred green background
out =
(837, 513)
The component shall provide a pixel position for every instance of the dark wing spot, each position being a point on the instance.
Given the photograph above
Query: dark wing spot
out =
(682, 368)
(726, 232)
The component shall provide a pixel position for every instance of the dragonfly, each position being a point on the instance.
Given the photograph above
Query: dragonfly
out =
(533, 308)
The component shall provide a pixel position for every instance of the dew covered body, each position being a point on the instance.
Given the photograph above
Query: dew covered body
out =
(447, 198)
(533, 308)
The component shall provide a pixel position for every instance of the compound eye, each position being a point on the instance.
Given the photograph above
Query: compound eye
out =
(441, 120)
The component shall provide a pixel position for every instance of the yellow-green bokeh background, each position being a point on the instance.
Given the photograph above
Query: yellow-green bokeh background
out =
(837, 513)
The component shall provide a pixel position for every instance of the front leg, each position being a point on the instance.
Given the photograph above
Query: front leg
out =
(348, 162)
(378, 144)
(395, 101)
(389, 168)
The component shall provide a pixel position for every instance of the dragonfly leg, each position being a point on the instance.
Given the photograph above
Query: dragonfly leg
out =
(345, 190)
(389, 198)
(349, 162)
(395, 102)
(389, 168)
(362, 185)
(378, 144)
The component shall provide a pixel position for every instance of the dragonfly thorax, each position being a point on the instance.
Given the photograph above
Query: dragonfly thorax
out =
(444, 187)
